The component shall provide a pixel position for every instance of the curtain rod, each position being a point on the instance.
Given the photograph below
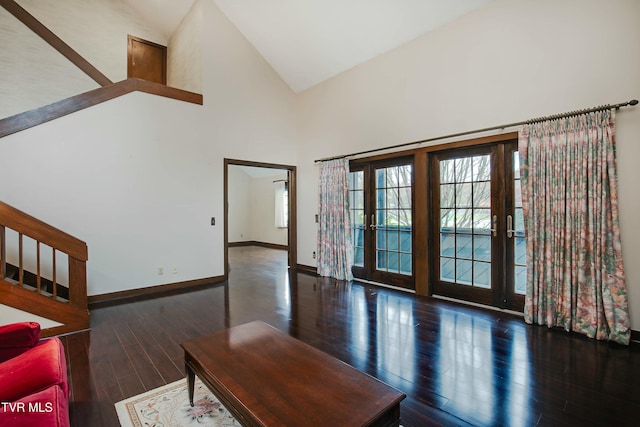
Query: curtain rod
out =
(525, 122)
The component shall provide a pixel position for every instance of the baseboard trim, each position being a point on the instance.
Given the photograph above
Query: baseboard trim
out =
(307, 269)
(256, 243)
(119, 297)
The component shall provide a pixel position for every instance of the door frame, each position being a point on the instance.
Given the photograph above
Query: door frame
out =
(292, 239)
(501, 294)
(369, 271)
(423, 239)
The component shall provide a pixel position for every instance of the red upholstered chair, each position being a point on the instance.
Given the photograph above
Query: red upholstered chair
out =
(33, 378)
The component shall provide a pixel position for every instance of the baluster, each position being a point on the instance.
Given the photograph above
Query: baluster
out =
(20, 266)
(3, 254)
(55, 282)
(38, 281)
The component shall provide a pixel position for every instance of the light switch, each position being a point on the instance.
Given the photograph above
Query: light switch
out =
(213, 220)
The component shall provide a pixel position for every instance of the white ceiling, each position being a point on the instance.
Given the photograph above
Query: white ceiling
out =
(165, 15)
(309, 41)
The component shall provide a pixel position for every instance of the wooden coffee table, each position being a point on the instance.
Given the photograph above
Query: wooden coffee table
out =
(268, 378)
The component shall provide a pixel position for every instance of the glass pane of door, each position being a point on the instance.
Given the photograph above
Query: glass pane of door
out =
(479, 251)
(519, 238)
(465, 221)
(356, 208)
(381, 201)
(393, 219)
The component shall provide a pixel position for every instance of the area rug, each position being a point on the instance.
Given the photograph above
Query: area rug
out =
(168, 406)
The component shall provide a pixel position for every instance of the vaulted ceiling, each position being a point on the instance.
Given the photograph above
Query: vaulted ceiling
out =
(309, 41)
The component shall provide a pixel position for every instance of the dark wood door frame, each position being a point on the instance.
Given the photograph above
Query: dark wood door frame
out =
(292, 236)
(370, 271)
(422, 199)
(501, 294)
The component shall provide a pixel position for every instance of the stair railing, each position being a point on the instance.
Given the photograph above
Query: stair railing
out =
(59, 241)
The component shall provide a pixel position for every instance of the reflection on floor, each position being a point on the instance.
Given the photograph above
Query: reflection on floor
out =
(458, 365)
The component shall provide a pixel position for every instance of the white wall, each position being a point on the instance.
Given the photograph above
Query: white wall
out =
(184, 52)
(96, 29)
(239, 197)
(34, 74)
(139, 177)
(23, 57)
(510, 61)
(263, 211)
(252, 207)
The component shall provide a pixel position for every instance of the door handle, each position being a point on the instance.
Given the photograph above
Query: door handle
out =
(494, 225)
(373, 222)
(510, 230)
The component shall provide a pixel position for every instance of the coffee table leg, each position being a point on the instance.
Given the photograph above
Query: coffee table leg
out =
(191, 379)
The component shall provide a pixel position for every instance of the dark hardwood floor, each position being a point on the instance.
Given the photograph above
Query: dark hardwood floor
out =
(458, 365)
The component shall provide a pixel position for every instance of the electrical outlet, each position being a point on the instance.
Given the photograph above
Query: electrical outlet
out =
(160, 271)
(174, 270)
(317, 218)
(314, 254)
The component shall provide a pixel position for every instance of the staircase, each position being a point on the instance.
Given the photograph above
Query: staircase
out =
(33, 253)
(29, 241)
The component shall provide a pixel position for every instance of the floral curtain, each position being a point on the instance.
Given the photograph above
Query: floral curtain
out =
(575, 274)
(335, 251)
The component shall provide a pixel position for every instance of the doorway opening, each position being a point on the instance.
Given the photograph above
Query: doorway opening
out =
(268, 223)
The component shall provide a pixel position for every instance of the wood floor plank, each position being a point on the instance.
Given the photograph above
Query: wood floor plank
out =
(156, 354)
(458, 365)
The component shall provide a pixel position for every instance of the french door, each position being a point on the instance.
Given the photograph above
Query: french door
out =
(477, 227)
(381, 201)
